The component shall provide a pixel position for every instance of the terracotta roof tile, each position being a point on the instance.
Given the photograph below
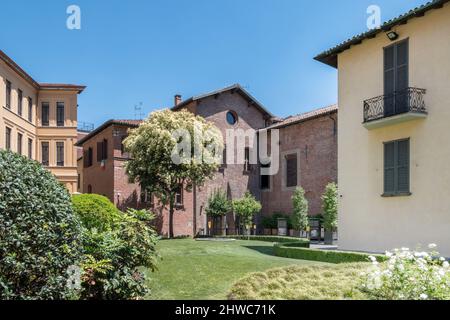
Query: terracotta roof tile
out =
(305, 116)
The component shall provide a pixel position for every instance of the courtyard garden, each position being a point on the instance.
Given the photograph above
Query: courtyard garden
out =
(192, 269)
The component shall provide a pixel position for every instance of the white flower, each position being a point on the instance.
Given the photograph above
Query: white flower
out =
(432, 246)
(389, 254)
(373, 259)
(445, 264)
(423, 296)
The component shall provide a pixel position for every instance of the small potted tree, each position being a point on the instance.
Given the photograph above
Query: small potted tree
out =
(217, 208)
(266, 223)
(246, 208)
(330, 211)
(274, 225)
(300, 221)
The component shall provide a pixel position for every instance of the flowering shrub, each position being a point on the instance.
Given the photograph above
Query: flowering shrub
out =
(409, 275)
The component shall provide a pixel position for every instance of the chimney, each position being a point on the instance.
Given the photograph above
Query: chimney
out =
(177, 99)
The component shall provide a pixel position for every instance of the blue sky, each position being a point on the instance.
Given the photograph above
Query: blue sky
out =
(148, 50)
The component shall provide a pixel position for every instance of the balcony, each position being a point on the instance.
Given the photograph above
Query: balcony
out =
(394, 108)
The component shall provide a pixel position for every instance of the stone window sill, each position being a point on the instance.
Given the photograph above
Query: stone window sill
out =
(396, 194)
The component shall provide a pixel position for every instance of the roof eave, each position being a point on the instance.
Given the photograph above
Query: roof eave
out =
(101, 128)
(330, 57)
(78, 88)
(236, 87)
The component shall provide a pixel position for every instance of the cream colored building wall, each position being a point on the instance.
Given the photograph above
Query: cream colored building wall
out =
(367, 221)
(53, 134)
(33, 130)
(10, 117)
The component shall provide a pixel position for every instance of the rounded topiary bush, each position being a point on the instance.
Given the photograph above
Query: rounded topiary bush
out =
(96, 212)
(39, 232)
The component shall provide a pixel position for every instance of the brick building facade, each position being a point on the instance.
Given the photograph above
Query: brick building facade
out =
(229, 108)
(310, 139)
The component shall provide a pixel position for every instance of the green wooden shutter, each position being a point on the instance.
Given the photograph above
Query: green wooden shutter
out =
(401, 77)
(396, 78)
(396, 167)
(403, 166)
(389, 168)
(389, 80)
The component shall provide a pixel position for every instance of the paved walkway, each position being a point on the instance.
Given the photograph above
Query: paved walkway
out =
(322, 246)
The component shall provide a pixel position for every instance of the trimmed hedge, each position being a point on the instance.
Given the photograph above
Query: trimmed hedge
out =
(301, 243)
(291, 250)
(96, 212)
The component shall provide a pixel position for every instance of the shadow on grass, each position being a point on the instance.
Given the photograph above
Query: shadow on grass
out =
(267, 250)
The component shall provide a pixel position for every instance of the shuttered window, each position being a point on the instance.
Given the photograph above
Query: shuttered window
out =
(396, 62)
(8, 94)
(45, 153)
(19, 102)
(30, 148)
(45, 116)
(396, 168)
(291, 170)
(87, 157)
(60, 154)
(30, 109)
(102, 150)
(60, 114)
(19, 143)
(8, 138)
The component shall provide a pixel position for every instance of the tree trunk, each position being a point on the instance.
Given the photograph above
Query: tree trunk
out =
(171, 212)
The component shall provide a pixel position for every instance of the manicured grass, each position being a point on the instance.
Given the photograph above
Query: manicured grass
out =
(192, 270)
(326, 282)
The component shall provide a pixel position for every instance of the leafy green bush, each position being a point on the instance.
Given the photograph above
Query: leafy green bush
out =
(291, 250)
(271, 222)
(218, 204)
(330, 207)
(267, 223)
(278, 239)
(245, 208)
(300, 212)
(96, 212)
(113, 257)
(39, 233)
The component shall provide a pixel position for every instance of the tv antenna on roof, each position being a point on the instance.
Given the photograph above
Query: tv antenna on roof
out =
(138, 114)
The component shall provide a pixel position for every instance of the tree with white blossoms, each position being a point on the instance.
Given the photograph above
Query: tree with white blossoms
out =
(300, 212)
(173, 150)
(409, 275)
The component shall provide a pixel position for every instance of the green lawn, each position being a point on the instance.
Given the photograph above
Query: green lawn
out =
(191, 270)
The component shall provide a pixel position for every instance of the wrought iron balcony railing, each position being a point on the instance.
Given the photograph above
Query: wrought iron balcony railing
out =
(399, 102)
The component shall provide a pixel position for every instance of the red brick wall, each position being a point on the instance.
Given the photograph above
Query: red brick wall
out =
(316, 141)
(233, 180)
